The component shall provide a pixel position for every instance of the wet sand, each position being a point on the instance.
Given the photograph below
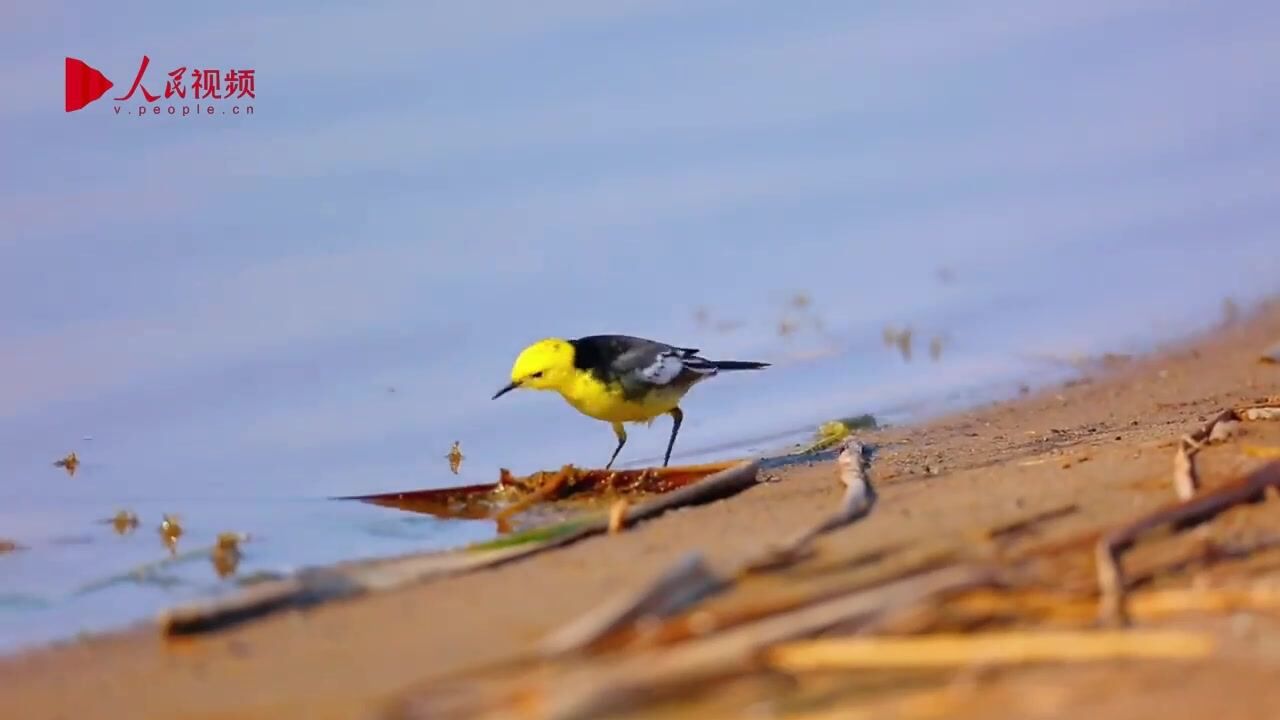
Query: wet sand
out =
(1103, 445)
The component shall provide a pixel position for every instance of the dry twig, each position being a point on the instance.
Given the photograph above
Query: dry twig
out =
(1152, 605)
(693, 583)
(936, 702)
(1186, 481)
(679, 587)
(1177, 516)
(687, 584)
(1260, 451)
(1018, 527)
(599, 688)
(1015, 647)
(617, 516)
(859, 499)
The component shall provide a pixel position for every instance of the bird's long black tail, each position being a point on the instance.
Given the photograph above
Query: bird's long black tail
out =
(738, 365)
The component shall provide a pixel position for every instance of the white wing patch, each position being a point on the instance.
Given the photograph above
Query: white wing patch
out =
(668, 365)
(665, 368)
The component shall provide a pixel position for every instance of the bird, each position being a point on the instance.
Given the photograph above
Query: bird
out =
(618, 378)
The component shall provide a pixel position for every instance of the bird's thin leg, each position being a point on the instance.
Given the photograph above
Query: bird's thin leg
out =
(677, 416)
(622, 440)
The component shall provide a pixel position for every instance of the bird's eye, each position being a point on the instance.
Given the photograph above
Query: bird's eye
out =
(537, 374)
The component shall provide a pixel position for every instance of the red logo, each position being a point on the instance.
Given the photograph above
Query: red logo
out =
(85, 84)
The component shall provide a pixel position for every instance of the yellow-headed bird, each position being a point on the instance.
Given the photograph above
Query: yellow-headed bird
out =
(618, 378)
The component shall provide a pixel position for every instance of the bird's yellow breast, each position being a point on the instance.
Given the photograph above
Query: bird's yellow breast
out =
(602, 401)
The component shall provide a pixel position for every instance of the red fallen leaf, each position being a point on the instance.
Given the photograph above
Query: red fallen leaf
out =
(513, 494)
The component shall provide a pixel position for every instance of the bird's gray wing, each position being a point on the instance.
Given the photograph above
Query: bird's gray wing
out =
(647, 365)
(637, 364)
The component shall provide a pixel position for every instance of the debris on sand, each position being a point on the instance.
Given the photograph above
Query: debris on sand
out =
(1006, 600)
(359, 577)
(1195, 510)
(513, 495)
(858, 500)
(685, 583)
(989, 648)
(1222, 427)
(833, 432)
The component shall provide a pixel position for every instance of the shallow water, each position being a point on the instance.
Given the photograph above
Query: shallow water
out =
(231, 321)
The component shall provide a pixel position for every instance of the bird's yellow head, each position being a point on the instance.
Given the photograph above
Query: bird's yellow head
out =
(544, 365)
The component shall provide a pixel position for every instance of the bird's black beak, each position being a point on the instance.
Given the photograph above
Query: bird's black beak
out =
(506, 390)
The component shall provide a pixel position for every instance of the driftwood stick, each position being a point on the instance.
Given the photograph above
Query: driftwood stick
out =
(253, 602)
(1023, 525)
(596, 690)
(859, 497)
(1190, 510)
(1260, 412)
(723, 484)
(313, 586)
(1151, 605)
(1005, 648)
(688, 581)
(1178, 516)
(858, 501)
(1186, 480)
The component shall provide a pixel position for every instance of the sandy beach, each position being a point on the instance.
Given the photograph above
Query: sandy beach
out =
(1079, 457)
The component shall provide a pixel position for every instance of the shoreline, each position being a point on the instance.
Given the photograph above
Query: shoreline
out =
(939, 478)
